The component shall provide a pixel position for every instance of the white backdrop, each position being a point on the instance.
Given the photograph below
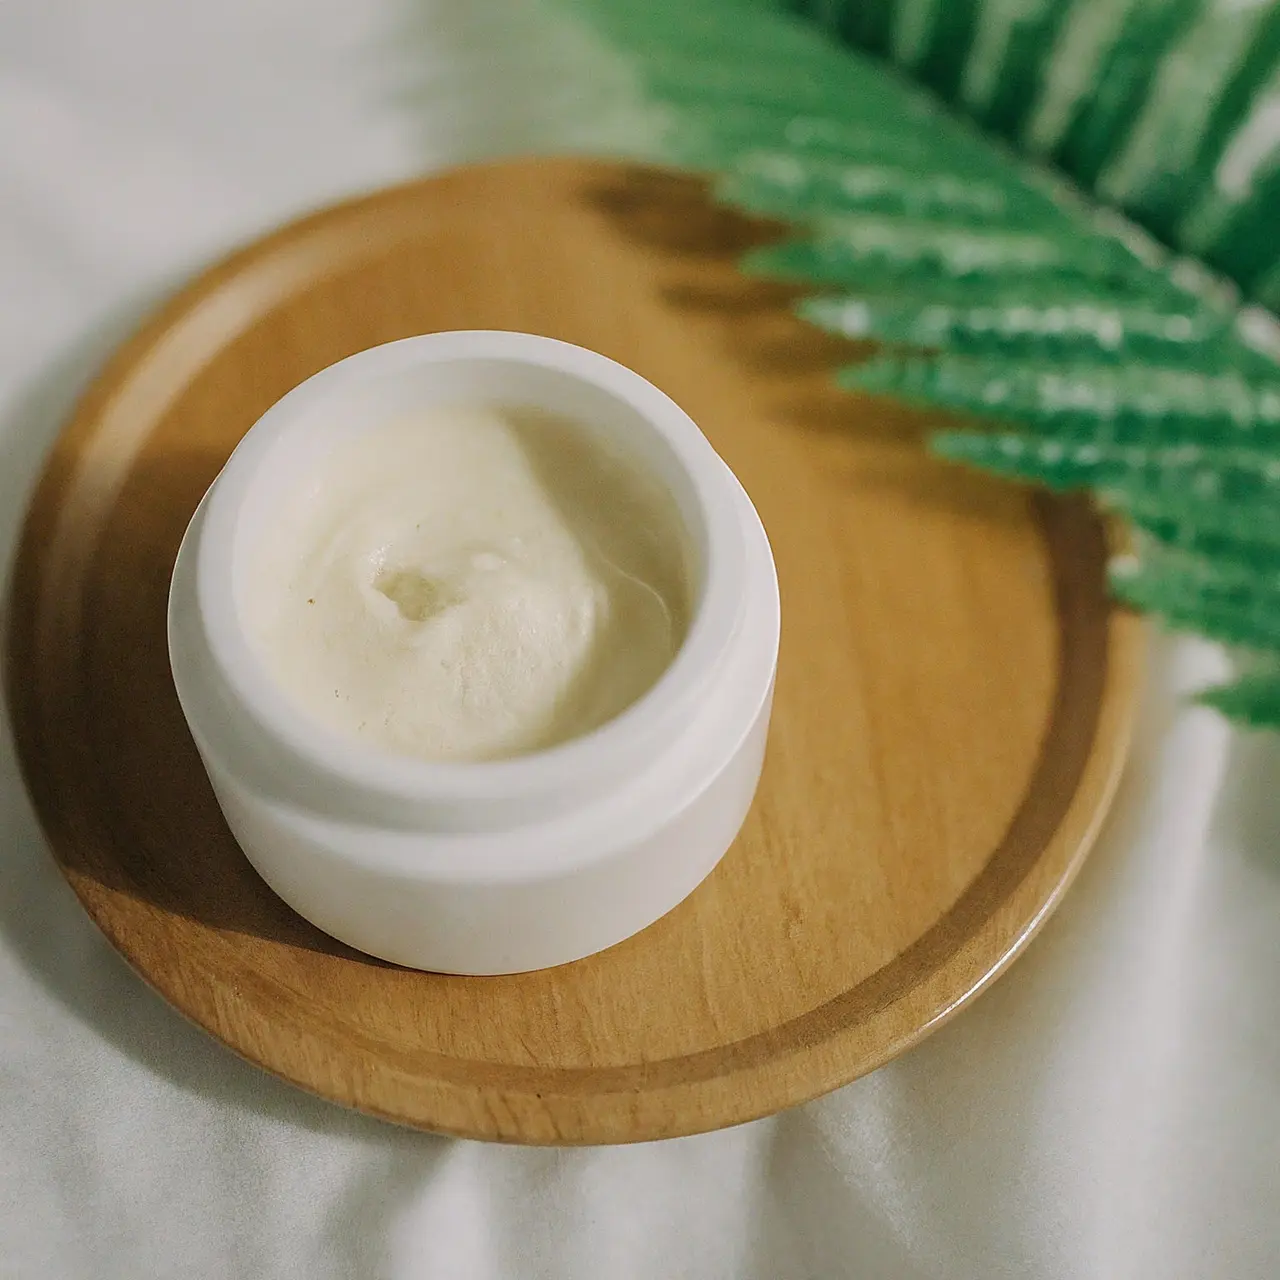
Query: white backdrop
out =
(1110, 1109)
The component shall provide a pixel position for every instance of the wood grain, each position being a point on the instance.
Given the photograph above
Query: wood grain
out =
(953, 703)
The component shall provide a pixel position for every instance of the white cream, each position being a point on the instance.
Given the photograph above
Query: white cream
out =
(470, 583)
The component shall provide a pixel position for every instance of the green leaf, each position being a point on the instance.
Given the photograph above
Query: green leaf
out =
(1253, 700)
(1178, 515)
(1032, 319)
(1123, 77)
(1106, 403)
(865, 249)
(1240, 544)
(1174, 473)
(800, 187)
(715, 136)
(1196, 595)
(1110, 365)
(1005, 69)
(1198, 93)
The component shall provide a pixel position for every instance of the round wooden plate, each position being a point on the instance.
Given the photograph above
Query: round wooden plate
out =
(953, 699)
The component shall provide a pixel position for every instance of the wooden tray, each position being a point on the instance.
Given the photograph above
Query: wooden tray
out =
(953, 701)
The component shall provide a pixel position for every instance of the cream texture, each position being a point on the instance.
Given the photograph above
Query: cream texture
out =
(468, 583)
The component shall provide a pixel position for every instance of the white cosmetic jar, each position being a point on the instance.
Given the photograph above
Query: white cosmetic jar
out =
(518, 863)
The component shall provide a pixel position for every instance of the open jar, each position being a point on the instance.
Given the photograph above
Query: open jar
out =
(491, 865)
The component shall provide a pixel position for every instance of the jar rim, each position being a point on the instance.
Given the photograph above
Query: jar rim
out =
(609, 750)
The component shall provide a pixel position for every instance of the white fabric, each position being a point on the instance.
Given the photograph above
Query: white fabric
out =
(1110, 1109)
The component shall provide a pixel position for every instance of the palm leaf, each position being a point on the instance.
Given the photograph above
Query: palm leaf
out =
(1093, 357)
